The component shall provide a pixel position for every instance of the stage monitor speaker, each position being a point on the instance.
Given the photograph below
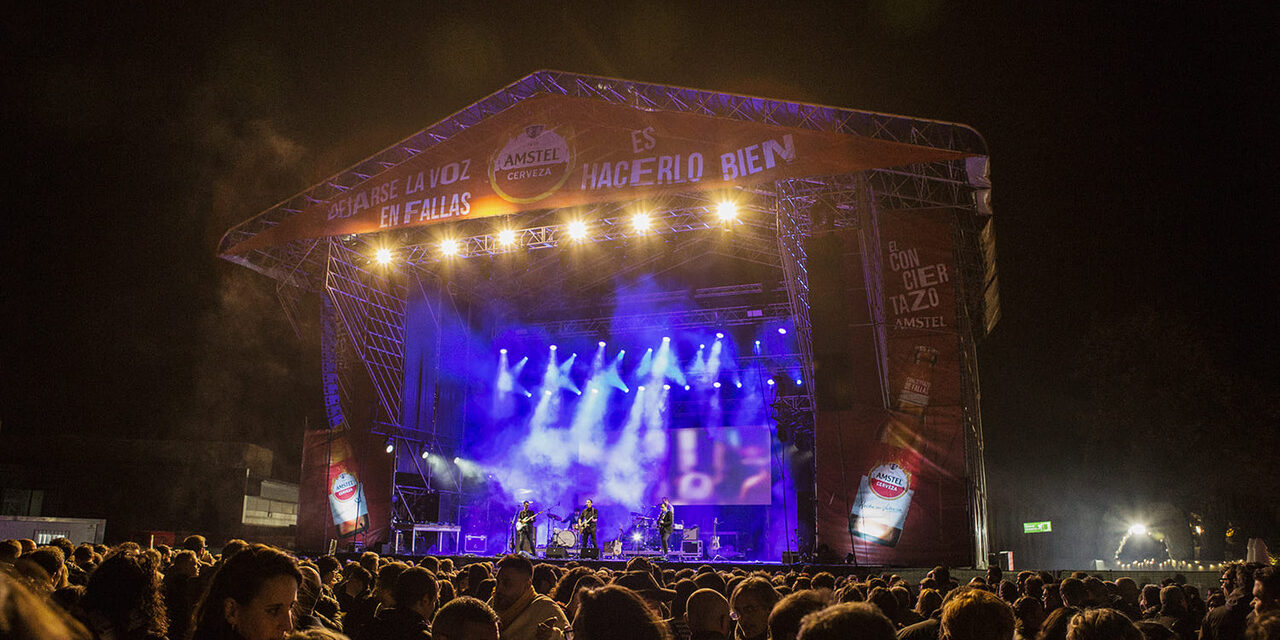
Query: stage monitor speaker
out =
(691, 547)
(557, 552)
(589, 553)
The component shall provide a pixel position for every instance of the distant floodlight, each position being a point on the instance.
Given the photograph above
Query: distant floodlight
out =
(769, 382)
(719, 336)
(426, 454)
(716, 384)
(727, 211)
(636, 536)
(383, 256)
(702, 346)
(450, 247)
(600, 344)
(738, 384)
(456, 460)
(686, 387)
(502, 351)
(799, 382)
(391, 446)
(666, 387)
(595, 391)
(553, 347)
(506, 237)
(666, 338)
(528, 394)
(642, 388)
(577, 230)
(757, 343)
(782, 331)
(640, 222)
(1137, 529)
(547, 392)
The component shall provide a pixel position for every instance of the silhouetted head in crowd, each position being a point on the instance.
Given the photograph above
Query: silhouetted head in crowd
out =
(928, 602)
(850, 620)
(824, 580)
(385, 584)
(612, 612)
(9, 551)
(479, 572)
(251, 597)
(1102, 624)
(883, 599)
(565, 586)
(1028, 615)
(707, 611)
(1008, 591)
(123, 596)
(1152, 630)
(685, 588)
(585, 584)
(1073, 593)
(1173, 602)
(1149, 599)
(24, 614)
(194, 543)
(418, 591)
(784, 621)
(1034, 587)
(309, 590)
(751, 603)
(84, 557)
(44, 568)
(1056, 623)
(355, 582)
(544, 579)
(369, 560)
(465, 618)
(232, 547)
(976, 615)
(1266, 590)
(711, 580)
(515, 578)
(430, 563)
(1052, 599)
(329, 569)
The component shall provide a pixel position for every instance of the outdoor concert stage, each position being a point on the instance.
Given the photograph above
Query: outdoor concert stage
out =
(584, 287)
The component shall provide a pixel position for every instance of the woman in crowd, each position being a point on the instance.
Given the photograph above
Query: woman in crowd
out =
(251, 597)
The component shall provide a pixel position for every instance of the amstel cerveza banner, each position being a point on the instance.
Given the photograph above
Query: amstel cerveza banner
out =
(891, 480)
(559, 151)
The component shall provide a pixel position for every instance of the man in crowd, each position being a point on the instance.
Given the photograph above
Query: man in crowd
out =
(707, 614)
(977, 615)
(520, 609)
(415, 594)
(465, 618)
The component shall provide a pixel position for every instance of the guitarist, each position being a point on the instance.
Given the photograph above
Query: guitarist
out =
(524, 529)
(587, 525)
(666, 523)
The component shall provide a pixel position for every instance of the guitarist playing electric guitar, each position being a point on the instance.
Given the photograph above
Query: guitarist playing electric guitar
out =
(587, 525)
(524, 528)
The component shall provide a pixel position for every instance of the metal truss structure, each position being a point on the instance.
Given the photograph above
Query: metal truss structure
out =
(770, 232)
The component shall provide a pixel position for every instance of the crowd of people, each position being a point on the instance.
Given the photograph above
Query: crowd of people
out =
(258, 592)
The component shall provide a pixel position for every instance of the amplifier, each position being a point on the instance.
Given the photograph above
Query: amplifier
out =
(691, 547)
(589, 553)
(557, 552)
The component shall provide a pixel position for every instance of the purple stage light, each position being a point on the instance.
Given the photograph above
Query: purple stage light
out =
(781, 331)
(502, 351)
(719, 336)
(799, 382)
(686, 387)
(601, 343)
(666, 387)
(553, 347)
(716, 384)
(769, 382)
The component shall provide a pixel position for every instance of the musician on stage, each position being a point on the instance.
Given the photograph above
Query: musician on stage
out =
(666, 522)
(587, 519)
(524, 529)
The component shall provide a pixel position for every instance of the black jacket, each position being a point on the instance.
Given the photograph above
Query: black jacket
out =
(397, 624)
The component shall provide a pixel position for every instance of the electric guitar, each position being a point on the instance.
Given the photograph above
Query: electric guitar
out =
(587, 522)
(522, 523)
(715, 536)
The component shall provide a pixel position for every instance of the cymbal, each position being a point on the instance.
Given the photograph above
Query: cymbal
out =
(552, 516)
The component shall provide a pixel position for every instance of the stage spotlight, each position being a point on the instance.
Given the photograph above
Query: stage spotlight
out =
(553, 347)
(506, 237)
(577, 230)
(769, 382)
(456, 460)
(666, 338)
(640, 222)
(600, 344)
(686, 387)
(642, 388)
(666, 387)
(738, 384)
(719, 336)
(383, 256)
(547, 392)
(716, 384)
(782, 331)
(1137, 529)
(636, 536)
(502, 351)
(391, 445)
(727, 211)
(702, 346)
(450, 247)
(799, 382)
(595, 391)
(426, 454)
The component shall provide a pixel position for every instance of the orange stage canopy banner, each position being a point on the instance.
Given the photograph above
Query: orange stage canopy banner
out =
(556, 151)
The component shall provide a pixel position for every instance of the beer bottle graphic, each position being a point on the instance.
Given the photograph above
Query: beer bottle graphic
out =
(884, 493)
(346, 493)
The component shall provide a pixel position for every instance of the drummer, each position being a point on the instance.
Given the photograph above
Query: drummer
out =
(587, 519)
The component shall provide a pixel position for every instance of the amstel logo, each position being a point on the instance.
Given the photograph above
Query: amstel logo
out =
(345, 486)
(532, 165)
(889, 481)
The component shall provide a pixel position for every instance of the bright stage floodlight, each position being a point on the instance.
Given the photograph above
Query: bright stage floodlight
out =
(782, 331)
(553, 347)
(640, 222)
(666, 387)
(502, 351)
(600, 344)
(799, 382)
(769, 382)
(577, 230)
(666, 339)
(506, 237)
(450, 247)
(425, 454)
(716, 384)
(686, 387)
(1137, 529)
(727, 211)
(383, 256)
(391, 445)
(719, 336)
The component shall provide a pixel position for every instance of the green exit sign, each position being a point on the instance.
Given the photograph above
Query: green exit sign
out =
(1037, 527)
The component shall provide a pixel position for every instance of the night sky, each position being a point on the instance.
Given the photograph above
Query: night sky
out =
(1132, 150)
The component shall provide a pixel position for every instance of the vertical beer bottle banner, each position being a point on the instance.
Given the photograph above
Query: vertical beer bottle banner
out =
(892, 479)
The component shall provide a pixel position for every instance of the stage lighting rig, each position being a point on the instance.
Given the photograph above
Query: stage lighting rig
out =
(506, 237)
(577, 231)
(383, 256)
(450, 247)
(727, 212)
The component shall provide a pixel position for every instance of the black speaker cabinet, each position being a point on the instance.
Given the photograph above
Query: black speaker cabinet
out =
(590, 553)
(557, 552)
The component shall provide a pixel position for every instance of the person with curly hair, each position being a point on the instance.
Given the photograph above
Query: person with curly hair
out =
(123, 600)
